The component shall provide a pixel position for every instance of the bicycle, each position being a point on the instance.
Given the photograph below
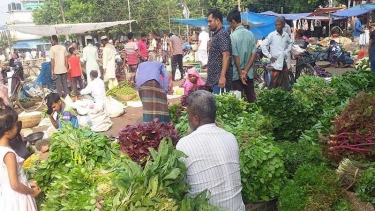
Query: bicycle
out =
(27, 95)
(304, 65)
(31, 70)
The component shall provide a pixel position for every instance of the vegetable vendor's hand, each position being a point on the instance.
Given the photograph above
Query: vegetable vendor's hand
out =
(222, 81)
(36, 191)
(33, 183)
(273, 59)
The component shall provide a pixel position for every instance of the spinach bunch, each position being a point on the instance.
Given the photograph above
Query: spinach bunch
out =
(262, 169)
(287, 115)
(351, 83)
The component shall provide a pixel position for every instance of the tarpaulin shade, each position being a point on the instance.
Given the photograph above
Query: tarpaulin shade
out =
(370, 6)
(199, 22)
(324, 10)
(2, 28)
(294, 16)
(350, 13)
(63, 29)
(21, 45)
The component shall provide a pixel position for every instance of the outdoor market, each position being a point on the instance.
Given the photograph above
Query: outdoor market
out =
(230, 110)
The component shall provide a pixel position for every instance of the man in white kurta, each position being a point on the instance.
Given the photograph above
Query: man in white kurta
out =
(97, 90)
(212, 160)
(109, 64)
(203, 40)
(287, 29)
(279, 44)
(90, 56)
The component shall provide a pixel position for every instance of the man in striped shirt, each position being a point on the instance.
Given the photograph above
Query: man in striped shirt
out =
(213, 155)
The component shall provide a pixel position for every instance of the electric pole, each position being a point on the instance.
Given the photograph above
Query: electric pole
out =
(130, 24)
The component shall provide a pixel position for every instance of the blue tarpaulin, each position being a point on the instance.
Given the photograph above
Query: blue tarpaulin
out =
(356, 10)
(260, 25)
(21, 45)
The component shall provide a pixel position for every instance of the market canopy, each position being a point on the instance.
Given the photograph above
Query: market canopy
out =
(293, 16)
(356, 10)
(63, 29)
(199, 22)
(21, 45)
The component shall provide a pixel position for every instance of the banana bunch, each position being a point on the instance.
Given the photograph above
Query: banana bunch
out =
(363, 65)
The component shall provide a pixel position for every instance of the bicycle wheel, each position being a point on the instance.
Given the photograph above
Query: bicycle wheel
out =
(30, 96)
(306, 69)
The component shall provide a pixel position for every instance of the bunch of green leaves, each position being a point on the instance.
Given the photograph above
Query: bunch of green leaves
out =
(262, 169)
(69, 176)
(300, 153)
(313, 188)
(182, 126)
(342, 205)
(159, 186)
(287, 115)
(174, 113)
(316, 95)
(351, 83)
(365, 187)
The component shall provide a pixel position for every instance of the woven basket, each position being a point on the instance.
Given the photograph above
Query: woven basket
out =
(30, 121)
(126, 97)
(323, 64)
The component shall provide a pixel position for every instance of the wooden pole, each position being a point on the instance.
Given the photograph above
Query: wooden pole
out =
(239, 5)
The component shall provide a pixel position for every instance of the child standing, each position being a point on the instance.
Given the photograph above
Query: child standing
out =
(75, 70)
(16, 193)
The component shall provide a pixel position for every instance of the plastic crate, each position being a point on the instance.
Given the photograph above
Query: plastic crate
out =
(262, 206)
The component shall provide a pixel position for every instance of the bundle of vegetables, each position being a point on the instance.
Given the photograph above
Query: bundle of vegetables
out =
(313, 188)
(30, 165)
(354, 129)
(351, 83)
(135, 140)
(349, 172)
(262, 169)
(160, 185)
(287, 115)
(297, 154)
(80, 161)
(124, 88)
(363, 65)
(321, 72)
(316, 95)
(365, 187)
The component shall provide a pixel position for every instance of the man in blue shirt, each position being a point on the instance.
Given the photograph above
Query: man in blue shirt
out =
(358, 30)
(243, 51)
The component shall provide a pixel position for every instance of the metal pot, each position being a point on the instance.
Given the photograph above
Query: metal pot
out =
(34, 137)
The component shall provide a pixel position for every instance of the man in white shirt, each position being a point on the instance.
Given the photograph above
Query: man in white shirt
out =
(212, 155)
(203, 40)
(97, 90)
(109, 63)
(279, 44)
(165, 48)
(152, 48)
(33, 54)
(287, 29)
(91, 57)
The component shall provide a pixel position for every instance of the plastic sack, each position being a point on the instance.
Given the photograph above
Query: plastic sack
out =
(177, 75)
(297, 50)
(113, 108)
(98, 122)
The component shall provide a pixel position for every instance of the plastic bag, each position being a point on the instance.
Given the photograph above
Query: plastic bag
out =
(113, 108)
(177, 75)
(98, 122)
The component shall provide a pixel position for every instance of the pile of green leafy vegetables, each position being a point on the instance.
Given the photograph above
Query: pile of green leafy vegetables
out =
(86, 171)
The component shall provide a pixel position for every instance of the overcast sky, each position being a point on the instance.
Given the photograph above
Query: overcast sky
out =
(4, 16)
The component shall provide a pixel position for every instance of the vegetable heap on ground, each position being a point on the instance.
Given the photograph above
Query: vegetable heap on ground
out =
(124, 88)
(85, 171)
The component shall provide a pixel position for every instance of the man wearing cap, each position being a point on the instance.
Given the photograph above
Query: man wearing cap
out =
(109, 63)
(91, 57)
(203, 38)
